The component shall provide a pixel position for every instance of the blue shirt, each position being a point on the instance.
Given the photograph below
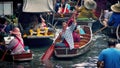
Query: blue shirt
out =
(111, 58)
(114, 19)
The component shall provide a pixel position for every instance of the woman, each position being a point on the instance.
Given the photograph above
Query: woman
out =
(16, 45)
(66, 36)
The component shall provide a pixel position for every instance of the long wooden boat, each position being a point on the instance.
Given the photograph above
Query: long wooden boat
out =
(84, 45)
(6, 56)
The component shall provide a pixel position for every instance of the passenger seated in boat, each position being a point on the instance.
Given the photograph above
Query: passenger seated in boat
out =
(66, 36)
(63, 9)
(76, 35)
(43, 27)
(39, 28)
(16, 45)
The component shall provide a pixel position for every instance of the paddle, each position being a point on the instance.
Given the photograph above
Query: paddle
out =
(48, 53)
(117, 32)
(4, 55)
(100, 19)
(50, 50)
(99, 30)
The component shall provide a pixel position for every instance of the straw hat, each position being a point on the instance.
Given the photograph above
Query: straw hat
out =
(116, 7)
(90, 4)
(15, 31)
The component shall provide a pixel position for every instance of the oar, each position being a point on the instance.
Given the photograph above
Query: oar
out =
(5, 51)
(99, 30)
(49, 52)
(100, 23)
(4, 55)
(117, 33)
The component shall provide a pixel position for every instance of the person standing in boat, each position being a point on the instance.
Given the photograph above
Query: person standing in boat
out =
(66, 36)
(16, 45)
(114, 19)
(110, 57)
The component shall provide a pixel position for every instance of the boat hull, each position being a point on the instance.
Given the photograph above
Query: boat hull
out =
(37, 42)
(17, 57)
(85, 45)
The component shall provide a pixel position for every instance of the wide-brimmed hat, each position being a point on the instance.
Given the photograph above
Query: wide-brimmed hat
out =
(15, 31)
(116, 7)
(90, 4)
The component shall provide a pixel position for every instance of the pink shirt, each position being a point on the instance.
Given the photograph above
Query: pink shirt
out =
(16, 46)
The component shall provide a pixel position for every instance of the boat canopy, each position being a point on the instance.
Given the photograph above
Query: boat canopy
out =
(38, 6)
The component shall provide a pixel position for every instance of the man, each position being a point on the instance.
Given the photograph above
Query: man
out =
(115, 17)
(110, 57)
(113, 21)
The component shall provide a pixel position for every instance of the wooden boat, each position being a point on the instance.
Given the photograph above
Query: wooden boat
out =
(118, 32)
(84, 45)
(38, 40)
(6, 56)
(58, 18)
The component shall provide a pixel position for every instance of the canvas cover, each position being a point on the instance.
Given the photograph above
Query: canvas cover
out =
(38, 6)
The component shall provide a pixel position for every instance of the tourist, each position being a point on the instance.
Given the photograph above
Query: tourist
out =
(66, 35)
(63, 9)
(76, 35)
(16, 45)
(42, 27)
(109, 57)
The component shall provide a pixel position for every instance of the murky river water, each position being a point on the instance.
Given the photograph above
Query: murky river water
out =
(88, 60)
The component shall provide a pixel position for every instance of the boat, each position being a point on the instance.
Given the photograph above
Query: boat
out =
(118, 32)
(81, 47)
(58, 18)
(6, 56)
(34, 40)
(37, 37)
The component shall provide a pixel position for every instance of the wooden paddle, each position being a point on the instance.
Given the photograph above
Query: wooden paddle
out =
(50, 50)
(48, 53)
(100, 19)
(4, 55)
(99, 30)
(117, 32)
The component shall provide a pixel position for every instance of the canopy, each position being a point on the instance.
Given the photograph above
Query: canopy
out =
(38, 6)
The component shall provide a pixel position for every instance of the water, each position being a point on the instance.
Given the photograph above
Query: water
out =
(88, 60)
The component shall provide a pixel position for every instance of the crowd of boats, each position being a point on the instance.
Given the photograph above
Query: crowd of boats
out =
(48, 33)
